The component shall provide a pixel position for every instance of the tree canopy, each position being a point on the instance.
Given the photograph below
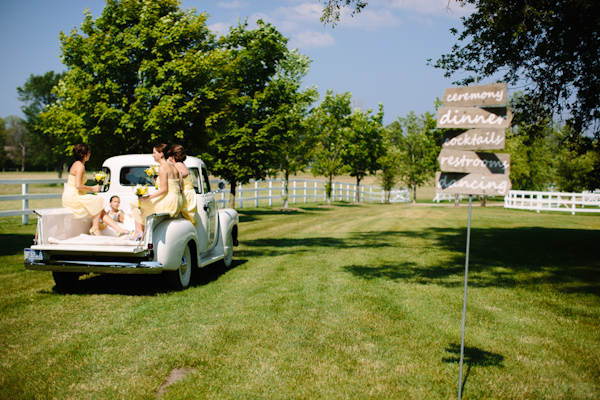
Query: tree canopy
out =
(139, 73)
(550, 47)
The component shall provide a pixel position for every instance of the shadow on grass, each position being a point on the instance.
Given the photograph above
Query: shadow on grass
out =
(142, 285)
(498, 257)
(14, 244)
(473, 357)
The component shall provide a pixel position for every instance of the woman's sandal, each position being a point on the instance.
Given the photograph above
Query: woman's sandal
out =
(121, 234)
(95, 232)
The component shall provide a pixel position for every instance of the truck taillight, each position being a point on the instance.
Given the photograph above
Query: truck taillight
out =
(150, 246)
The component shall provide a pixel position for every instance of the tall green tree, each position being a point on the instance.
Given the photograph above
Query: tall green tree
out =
(142, 72)
(17, 139)
(418, 148)
(38, 93)
(330, 124)
(293, 139)
(576, 158)
(364, 145)
(243, 140)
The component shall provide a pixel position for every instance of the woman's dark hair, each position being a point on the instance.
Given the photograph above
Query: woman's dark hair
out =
(111, 199)
(163, 148)
(178, 153)
(80, 151)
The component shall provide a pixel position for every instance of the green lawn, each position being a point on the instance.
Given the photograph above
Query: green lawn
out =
(343, 302)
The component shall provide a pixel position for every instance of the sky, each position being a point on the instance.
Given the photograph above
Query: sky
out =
(379, 55)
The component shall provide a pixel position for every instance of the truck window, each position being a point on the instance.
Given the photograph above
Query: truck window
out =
(205, 181)
(195, 178)
(135, 175)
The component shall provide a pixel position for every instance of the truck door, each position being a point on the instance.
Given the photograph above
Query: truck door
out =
(208, 206)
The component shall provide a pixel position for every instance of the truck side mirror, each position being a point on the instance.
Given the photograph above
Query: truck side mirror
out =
(221, 185)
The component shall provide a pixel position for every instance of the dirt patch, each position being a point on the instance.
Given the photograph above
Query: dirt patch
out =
(289, 209)
(174, 376)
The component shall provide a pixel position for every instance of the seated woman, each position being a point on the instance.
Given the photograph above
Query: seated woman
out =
(81, 204)
(167, 198)
(190, 207)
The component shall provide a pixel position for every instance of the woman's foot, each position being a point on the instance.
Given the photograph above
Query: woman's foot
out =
(125, 233)
(95, 232)
(138, 236)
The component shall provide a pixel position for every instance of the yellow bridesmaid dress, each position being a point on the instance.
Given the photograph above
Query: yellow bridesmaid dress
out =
(170, 202)
(79, 202)
(190, 206)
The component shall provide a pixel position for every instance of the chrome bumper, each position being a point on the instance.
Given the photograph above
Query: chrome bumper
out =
(100, 267)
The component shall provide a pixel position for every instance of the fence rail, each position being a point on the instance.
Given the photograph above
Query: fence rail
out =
(256, 193)
(584, 202)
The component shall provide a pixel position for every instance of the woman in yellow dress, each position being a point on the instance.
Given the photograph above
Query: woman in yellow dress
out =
(81, 204)
(190, 207)
(167, 198)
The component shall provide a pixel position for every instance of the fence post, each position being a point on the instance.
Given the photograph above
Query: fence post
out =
(25, 218)
(241, 196)
(305, 192)
(573, 206)
(316, 192)
(294, 192)
(270, 193)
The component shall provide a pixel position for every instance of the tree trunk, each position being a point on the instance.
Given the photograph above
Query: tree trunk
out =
(330, 191)
(482, 200)
(414, 190)
(232, 196)
(456, 199)
(357, 189)
(286, 190)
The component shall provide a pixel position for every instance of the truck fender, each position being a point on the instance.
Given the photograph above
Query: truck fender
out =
(169, 238)
(228, 225)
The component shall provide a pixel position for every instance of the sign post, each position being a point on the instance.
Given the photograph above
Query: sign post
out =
(483, 112)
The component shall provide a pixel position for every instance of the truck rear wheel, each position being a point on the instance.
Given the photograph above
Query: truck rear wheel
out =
(65, 280)
(182, 277)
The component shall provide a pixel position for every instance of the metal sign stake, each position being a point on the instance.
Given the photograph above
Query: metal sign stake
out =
(464, 315)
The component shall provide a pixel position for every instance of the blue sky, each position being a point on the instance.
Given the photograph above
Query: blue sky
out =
(378, 55)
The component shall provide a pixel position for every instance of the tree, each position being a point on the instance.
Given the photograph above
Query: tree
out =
(243, 140)
(142, 72)
(294, 140)
(37, 94)
(417, 149)
(551, 47)
(364, 145)
(330, 124)
(331, 11)
(17, 139)
(575, 160)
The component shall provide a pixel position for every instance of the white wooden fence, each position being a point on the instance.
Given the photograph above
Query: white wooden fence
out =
(25, 196)
(553, 201)
(256, 193)
(265, 192)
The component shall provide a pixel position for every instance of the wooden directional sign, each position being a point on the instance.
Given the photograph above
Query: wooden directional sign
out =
(485, 95)
(470, 161)
(475, 139)
(479, 184)
(472, 117)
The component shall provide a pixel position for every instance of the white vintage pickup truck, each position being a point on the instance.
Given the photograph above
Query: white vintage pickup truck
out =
(170, 246)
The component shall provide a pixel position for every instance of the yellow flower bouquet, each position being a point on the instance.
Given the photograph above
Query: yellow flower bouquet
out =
(101, 178)
(152, 171)
(139, 191)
